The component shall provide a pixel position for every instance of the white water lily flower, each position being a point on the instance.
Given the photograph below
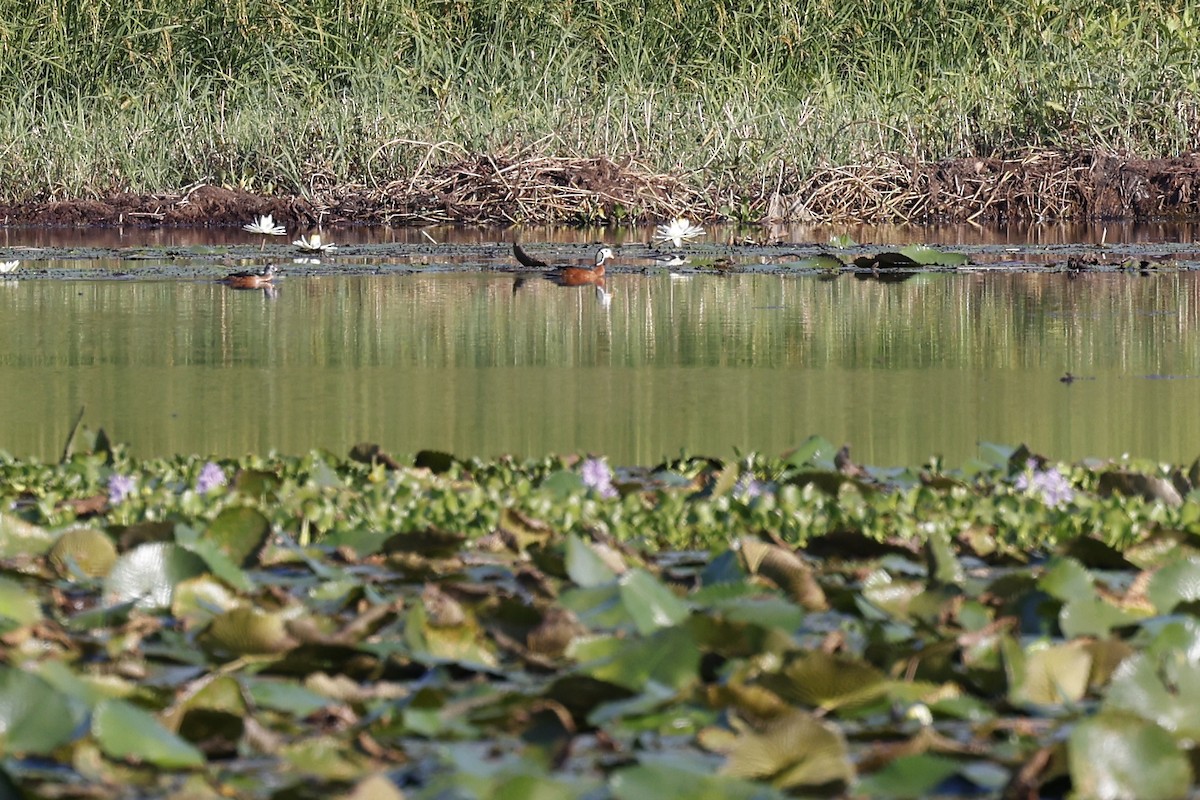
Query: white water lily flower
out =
(266, 226)
(313, 244)
(8, 266)
(677, 230)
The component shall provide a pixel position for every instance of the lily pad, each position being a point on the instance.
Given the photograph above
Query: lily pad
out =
(798, 751)
(125, 731)
(34, 717)
(148, 574)
(1117, 755)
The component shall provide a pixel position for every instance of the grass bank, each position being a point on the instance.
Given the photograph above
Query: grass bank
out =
(736, 101)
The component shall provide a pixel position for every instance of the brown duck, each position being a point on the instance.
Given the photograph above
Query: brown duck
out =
(260, 279)
(569, 276)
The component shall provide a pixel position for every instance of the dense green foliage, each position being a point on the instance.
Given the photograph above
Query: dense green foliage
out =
(295, 96)
(319, 627)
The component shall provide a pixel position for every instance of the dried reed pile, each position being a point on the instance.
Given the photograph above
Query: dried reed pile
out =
(1036, 185)
(1039, 185)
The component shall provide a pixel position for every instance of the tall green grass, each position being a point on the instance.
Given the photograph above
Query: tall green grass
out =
(271, 96)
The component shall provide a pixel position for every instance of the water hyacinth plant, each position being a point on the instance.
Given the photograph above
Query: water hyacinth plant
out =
(1048, 485)
(211, 477)
(457, 606)
(597, 476)
(120, 487)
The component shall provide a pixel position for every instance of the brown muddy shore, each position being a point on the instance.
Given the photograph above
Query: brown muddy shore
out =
(1037, 186)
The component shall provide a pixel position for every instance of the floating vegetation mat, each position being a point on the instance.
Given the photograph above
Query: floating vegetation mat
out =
(437, 627)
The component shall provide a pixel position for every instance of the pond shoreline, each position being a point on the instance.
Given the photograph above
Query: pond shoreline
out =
(1038, 185)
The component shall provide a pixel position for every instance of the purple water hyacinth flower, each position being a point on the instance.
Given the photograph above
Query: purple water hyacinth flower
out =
(211, 477)
(597, 476)
(748, 488)
(119, 488)
(1050, 486)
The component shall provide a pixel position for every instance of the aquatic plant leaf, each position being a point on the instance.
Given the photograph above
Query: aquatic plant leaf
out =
(799, 750)
(197, 600)
(1092, 616)
(1137, 484)
(821, 261)
(246, 630)
(148, 574)
(913, 776)
(585, 566)
(125, 731)
(435, 461)
(668, 657)
(461, 641)
(375, 787)
(815, 451)
(826, 680)
(785, 569)
(428, 541)
(943, 566)
(1175, 583)
(21, 538)
(1116, 755)
(83, 551)
(1049, 676)
(35, 718)
(664, 781)
(212, 716)
(650, 604)
(325, 757)
(240, 533)
(18, 604)
(929, 256)
(281, 695)
(1066, 579)
(1163, 687)
(256, 483)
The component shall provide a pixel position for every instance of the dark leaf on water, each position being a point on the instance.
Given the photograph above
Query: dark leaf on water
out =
(435, 461)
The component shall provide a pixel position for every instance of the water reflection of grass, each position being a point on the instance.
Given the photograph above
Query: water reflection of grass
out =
(291, 96)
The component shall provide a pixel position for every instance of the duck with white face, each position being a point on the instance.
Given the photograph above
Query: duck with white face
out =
(570, 276)
(253, 279)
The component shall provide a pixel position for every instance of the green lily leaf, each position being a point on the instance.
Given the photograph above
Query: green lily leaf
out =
(148, 574)
(825, 680)
(83, 551)
(915, 776)
(18, 604)
(20, 538)
(1116, 755)
(796, 751)
(1054, 675)
(669, 782)
(651, 604)
(1160, 684)
(668, 657)
(35, 717)
(125, 731)
(929, 256)
(1175, 583)
(585, 567)
(240, 533)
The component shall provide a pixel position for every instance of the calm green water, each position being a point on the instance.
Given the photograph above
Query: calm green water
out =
(460, 362)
